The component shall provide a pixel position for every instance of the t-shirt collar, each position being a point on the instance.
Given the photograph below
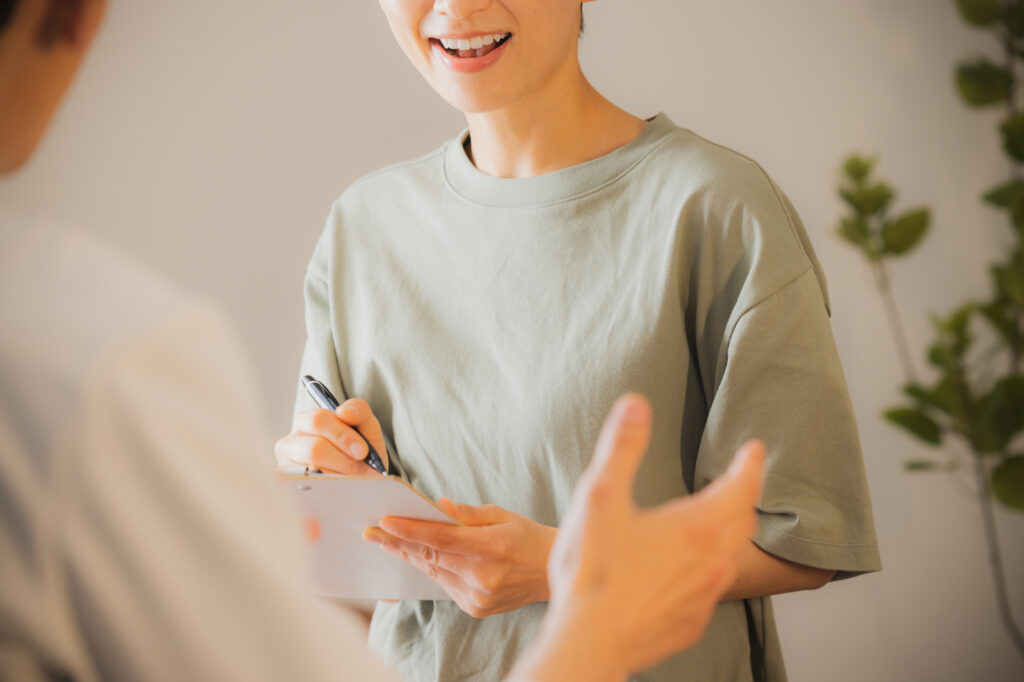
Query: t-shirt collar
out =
(465, 180)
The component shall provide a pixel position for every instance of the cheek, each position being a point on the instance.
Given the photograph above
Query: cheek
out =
(404, 18)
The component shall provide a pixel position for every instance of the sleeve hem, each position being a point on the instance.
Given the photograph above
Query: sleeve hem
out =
(847, 560)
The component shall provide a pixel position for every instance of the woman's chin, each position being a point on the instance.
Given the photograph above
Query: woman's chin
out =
(474, 103)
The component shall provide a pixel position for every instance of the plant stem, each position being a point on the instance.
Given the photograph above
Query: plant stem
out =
(995, 556)
(895, 322)
(1011, 64)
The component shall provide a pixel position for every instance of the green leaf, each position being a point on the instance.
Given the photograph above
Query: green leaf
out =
(998, 316)
(980, 13)
(956, 323)
(858, 168)
(1013, 136)
(917, 422)
(982, 83)
(1010, 281)
(920, 465)
(1003, 195)
(953, 395)
(924, 397)
(1017, 213)
(868, 200)
(855, 231)
(943, 396)
(1013, 18)
(903, 234)
(1002, 414)
(1008, 483)
(941, 356)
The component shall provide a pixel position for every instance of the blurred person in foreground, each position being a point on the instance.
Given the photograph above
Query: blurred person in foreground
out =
(142, 537)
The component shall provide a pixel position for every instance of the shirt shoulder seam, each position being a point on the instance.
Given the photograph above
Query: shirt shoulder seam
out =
(750, 308)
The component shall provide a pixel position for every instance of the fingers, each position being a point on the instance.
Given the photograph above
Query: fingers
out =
(421, 556)
(318, 453)
(330, 427)
(319, 438)
(624, 439)
(483, 515)
(440, 566)
(441, 536)
(748, 468)
(740, 486)
(356, 413)
(722, 517)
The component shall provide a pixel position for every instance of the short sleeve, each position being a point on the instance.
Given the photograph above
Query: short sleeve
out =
(782, 382)
(319, 355)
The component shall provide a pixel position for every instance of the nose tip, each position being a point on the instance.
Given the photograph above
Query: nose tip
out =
(460, 9)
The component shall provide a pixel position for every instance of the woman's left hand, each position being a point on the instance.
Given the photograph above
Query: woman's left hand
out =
(494, 563)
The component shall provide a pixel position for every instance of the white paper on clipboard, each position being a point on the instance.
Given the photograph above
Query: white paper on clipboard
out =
(344, 564)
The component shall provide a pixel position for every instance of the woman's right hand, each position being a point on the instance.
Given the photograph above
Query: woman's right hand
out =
(330, 441)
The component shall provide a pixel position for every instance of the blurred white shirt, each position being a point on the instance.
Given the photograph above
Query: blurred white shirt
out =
(142, 536)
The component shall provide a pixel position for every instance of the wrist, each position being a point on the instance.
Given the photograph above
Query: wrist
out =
(547, 542)
(572, 644)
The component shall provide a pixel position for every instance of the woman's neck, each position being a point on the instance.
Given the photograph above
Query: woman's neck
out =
(565, 125)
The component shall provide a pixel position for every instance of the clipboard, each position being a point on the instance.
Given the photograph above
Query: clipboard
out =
(344, 564)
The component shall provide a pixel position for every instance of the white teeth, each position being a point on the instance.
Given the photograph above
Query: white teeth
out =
(474, 43)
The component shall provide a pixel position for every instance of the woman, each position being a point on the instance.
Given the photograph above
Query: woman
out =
(482, 306)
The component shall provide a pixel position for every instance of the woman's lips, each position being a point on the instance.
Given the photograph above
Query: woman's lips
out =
(469, 61)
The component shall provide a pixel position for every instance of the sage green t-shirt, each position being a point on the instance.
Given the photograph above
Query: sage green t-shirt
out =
(491, 323)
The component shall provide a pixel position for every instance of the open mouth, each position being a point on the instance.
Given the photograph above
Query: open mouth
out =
(469, 48)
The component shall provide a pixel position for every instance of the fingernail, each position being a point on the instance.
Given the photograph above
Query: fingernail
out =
(358, 448)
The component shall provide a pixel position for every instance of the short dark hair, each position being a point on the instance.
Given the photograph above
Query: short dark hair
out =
(7, 8)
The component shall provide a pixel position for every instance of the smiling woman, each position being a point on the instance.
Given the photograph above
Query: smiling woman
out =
(491, 299)
(537, 54)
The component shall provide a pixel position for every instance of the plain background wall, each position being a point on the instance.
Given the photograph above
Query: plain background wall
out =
(209, 138)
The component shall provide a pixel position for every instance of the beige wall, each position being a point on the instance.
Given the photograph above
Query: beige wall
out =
(210, 138)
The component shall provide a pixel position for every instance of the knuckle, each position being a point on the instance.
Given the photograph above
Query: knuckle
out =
(489, 578)
(427, 536)
(321, 420)
(318, 450)
(503, 548)
(359, 404)
(474, 611)
(321, 453)
(480, 600)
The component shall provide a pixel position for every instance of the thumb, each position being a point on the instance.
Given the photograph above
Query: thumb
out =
(741, 484)
(483, 515)
(624, 439)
